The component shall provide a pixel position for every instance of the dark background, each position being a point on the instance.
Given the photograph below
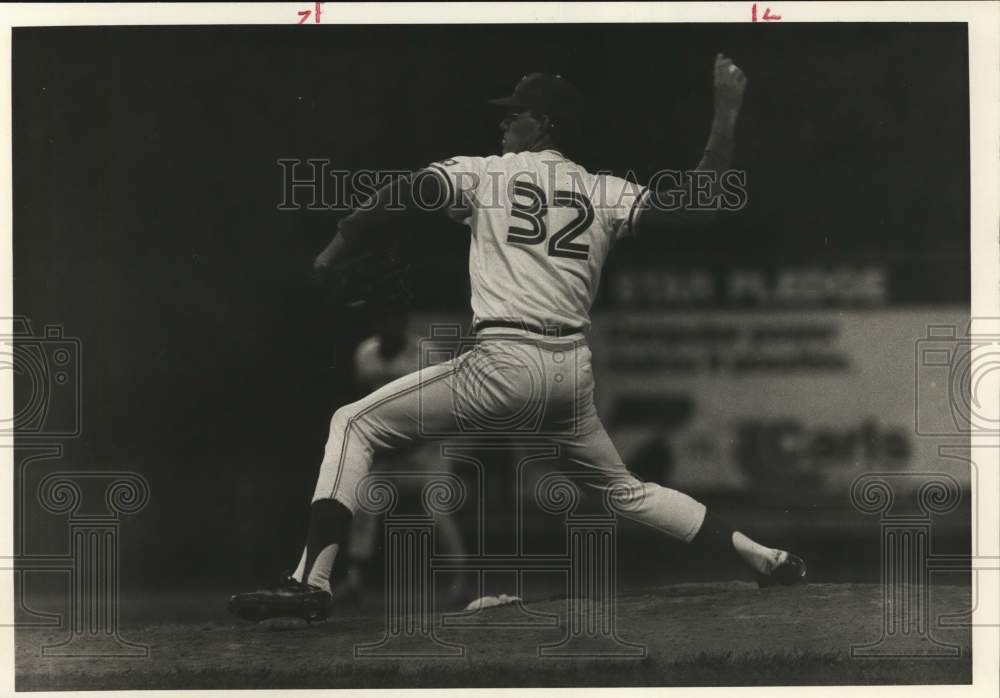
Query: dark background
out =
(146, 224)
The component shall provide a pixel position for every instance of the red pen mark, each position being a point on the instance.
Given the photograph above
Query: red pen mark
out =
(305, 14)
(767, 17)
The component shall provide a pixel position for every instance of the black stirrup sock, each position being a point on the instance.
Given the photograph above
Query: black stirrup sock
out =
(715, 534)
(329, 526)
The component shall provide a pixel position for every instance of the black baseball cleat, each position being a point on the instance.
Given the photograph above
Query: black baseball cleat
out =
(289, 598)
(788, 570)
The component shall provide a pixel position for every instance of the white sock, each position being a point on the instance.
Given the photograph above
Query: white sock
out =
(319, 575)
(301, 569)
(759, 557)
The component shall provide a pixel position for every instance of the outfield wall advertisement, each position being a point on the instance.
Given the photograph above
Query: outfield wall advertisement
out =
(793, 402)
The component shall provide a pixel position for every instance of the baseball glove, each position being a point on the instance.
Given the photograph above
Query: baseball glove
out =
(370, 278)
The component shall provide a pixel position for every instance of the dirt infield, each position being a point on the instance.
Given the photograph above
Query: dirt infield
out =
(688, 634)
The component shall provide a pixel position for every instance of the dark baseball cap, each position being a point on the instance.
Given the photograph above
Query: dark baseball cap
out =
(549, 94)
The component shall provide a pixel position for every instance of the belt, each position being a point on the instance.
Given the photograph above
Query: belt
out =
(550, 331)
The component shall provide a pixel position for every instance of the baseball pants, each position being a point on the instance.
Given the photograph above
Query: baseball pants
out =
(512, 383)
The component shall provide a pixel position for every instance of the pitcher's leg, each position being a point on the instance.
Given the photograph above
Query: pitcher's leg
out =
(411, 409)
(670, 511)
(403, 412)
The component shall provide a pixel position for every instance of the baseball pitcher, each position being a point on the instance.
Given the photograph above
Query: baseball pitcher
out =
(542, 227)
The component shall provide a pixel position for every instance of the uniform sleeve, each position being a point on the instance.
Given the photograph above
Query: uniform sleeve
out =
(462, 175)
(621, 205)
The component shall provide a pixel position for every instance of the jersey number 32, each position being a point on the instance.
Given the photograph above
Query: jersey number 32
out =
(561, 244)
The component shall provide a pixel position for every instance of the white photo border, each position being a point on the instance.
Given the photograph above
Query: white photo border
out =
(983, 20)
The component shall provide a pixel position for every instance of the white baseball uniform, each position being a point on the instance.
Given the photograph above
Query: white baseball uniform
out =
(542, 227)
(373, 370)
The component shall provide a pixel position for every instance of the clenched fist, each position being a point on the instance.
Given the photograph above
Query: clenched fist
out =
(730, 83)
